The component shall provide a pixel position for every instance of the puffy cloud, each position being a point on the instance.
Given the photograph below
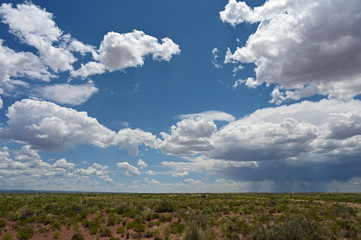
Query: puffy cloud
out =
(289, 132)
(180, 174)
(26, 20)
(62, 163)
(88, 69)
(151, 181)
(21, 64)
(303, 47)
(150, 173)
(90, 171)
(130, 169)
(26, 154)
(130, 139)
(35, 27)
(189, 136)
(47, 126)
(142, 164)
(98, 166)
(118, 51)
(67, 94)
(94, 170)
(82, 48)
(301, 146)
(29, 171)
(108, 179)
(246, 140)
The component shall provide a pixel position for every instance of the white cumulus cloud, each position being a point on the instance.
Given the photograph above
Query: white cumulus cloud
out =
(119, 51)
(315, 129)
(62, 163)
(130, 169)
(304, 47)
(90, 171)
(306, 131)
(142, 164)
(54, 53)
(35, 27)
(189, 136)
(48, 126)
(90, 68)
(21, 64)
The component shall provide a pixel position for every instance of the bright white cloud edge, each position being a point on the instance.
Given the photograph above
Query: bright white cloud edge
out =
(304, 48)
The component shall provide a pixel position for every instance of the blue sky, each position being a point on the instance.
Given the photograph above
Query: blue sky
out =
(180, 96)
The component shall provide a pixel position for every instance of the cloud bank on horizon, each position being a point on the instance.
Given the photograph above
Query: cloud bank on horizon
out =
(300, 49)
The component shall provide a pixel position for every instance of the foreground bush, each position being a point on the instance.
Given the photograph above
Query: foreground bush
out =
(25, 233)
(292, 229)
(164, 206)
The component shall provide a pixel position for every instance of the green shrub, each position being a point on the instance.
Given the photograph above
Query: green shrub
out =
(154, 216)
(137, 226)
(122, 209)
(26, 213)
(2, 223)
(8, 237)
(105, 232)
(199, 220)
(150, 224)
(177, 227)
(112, 219)
(84, 213)
(52, 208)
(156, 234)
(234, 226)
(76, 208)
(165, 218)
(120, 230)
(293, 229)
(25, 233)
(149, 233)
(192, 233)
(164, 206)
(166, 232)
(93, 228)
(45, 220)
(55, 225)
(341, 210)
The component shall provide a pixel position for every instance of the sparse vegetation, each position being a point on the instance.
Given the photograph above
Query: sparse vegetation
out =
(181, 216)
